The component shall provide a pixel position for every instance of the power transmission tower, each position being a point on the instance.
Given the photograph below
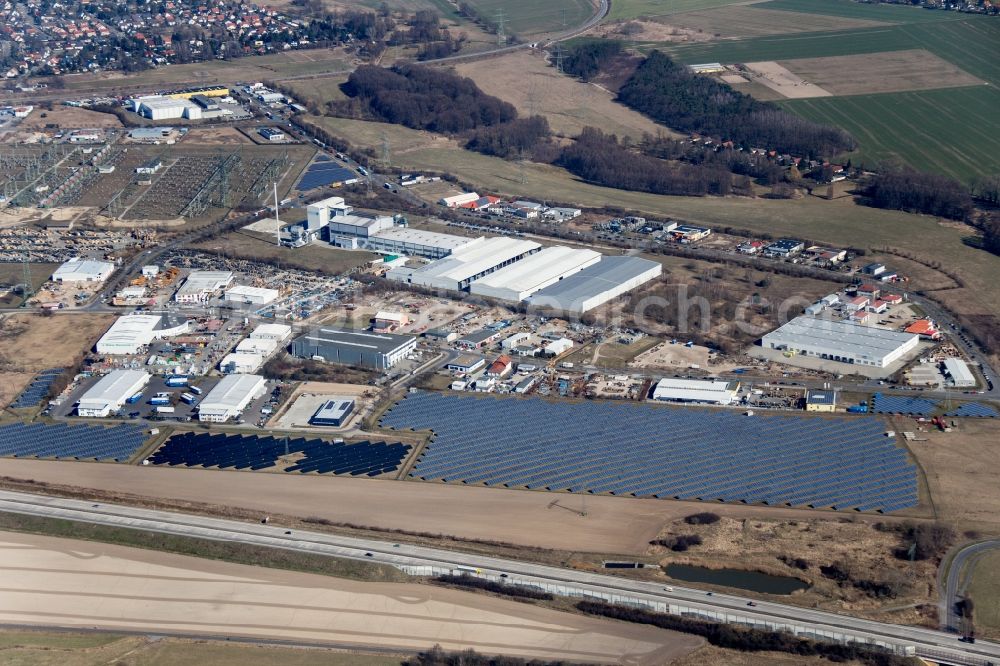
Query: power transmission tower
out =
(562, 14)
(559, 58)
(501, 28)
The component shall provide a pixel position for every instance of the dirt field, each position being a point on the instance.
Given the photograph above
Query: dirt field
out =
(787, 83)
(69, 117)
(754, 21)
(962, 472)
(612, 524)
(262, 247)
(893, 71)
(525, 80)
(32, 342)
(155, 591)
(216, 136)
(678, 356)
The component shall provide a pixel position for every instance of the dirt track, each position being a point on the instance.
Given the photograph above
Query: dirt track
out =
(612, 524)
(52, 581)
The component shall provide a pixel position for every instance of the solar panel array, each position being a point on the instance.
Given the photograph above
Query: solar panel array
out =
(33, 393)
(899, 404)
(70, 441)
(255, 452)
(656, 451)
(323, 172)
(975, 409)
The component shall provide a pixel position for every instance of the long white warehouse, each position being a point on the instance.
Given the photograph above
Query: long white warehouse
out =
(597, 284)
(252, 295)
(130, 333)
(705, 391)
(230, 397)
(522, 279)
(110, 393)
(467, 264)
(841, 341)
(83, 270)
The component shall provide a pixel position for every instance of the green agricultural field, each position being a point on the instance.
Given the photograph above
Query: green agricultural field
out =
(531, 17)
(857, 10)
(630, 9)
(947, 131)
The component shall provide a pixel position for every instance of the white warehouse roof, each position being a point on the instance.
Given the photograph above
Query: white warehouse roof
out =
(959, 372)
(427, 238)
(257, 295)
(523, 278)
(83, 270)
(597, 284)
(230, 397)
(201, 283)
(713, 391)
(469, 262)
(131, 332)
(111, 392)
(273, 331)
(842, 341)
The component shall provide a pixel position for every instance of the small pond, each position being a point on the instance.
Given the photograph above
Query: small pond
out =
(753, 581)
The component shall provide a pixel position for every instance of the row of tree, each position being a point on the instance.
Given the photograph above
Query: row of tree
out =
(425, 98)
(671, 93)
(517, 139)
(916, 192)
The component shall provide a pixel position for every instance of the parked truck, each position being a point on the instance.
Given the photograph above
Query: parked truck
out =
(159, 401)
(177, 380)
(164, 410)
(189, 398)
(195, 390)
(135, 398)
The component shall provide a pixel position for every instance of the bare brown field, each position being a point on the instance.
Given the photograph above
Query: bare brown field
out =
(892, 71)
(783, 81)
(262, 247)
(752, 21)
(68, 116)
(961, 472)
(32, 342)
(11, 384)
(522, 518)
(157, 591)
(216, 136)
(528, 82)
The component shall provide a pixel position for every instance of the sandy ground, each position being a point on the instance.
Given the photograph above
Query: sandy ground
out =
(666, 355)
(781, 80)
(50, 342)
(309, 396)
(76, 583)
(70, 117)
(612, 525)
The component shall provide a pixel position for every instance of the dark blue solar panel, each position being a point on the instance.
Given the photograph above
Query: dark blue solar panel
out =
(975, 409)
(256, 452)
(898, 404)
(35, 392)
(65, 440)
(657, 451)
(324, 172)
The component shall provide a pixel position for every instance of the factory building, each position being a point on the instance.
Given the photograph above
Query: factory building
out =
(958, 373)
(334, 413)
(241, 364)
(83, 270)
(467, 264)
(704, 391)
(417, 243)
(596, 284)
(156, 107)
(110, 392)
(251, 295)
(523, 278)
(230, 397)
(365, 349)
(133, 332)
(200, 286)
(840, 341)
(459, 199)
(278, 332)
(272, 134)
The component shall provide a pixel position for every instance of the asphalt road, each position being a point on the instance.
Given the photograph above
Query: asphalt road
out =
(953, 581)
(930, 643)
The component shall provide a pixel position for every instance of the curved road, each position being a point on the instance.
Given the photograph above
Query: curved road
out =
(926, 642)
(952, 581)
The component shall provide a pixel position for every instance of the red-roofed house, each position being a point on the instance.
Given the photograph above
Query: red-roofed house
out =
(857, 303)
(878, 306)
(862, 317)
(869, 290)
(501, 367)
(892, 299)
(925, 328)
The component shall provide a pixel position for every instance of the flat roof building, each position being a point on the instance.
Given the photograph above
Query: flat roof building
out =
(417, 243)
(277, 332)
(129, 334)
(360, 348)
(821, 401)
(467, 263)
(597, 284)
(201, 286)
(110, 392)
(230, 397)
(252, 295)
(466, 363)
(784, 247)
(523, 278)
(83, 270)
(334, 412)
(841, 341)
(707, 391)
(240, 363)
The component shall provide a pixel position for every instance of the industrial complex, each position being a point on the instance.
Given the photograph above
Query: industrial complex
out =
(379, 351)
(841, 341)
(109, 394)
(230, 397)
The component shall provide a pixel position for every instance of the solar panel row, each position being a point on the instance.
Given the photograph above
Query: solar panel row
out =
(255, 452)
(321, 174)
(34, 392)
(65, 440)
(655, 451)
(976, 410)
(898, 404)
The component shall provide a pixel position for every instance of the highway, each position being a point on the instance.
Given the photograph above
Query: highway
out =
(926, 642)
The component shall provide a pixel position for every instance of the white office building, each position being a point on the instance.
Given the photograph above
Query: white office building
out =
(230, 397)
(201, 286)
(841, 341)
(523, 278)
(83, 270)
(110, 392)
